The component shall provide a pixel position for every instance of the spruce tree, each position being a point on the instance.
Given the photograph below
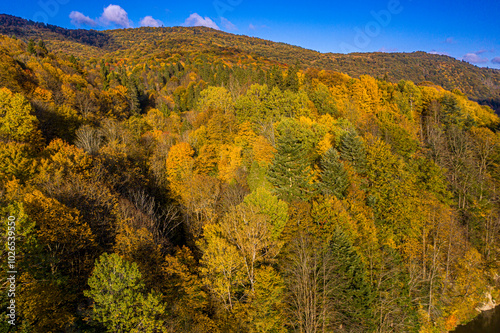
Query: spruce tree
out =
(348, 291)
(292, 80)
(275, 78)
(290, 172)
(451, 111)
(353, 150)
(334, 179)
(42, 48)
(104, 75)
(135, 106)
(31, 47)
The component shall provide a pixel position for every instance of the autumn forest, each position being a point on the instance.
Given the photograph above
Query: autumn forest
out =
(191, 186)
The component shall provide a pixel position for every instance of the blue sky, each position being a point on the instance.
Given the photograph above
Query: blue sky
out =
(468, 30)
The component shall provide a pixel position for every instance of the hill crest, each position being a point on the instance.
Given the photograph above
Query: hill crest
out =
(479, 84)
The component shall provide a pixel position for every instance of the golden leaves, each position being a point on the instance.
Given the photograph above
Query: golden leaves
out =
(57, 224)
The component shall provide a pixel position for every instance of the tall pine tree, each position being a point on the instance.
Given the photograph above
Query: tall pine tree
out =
(104, 75)
(353, 150)
(31, 47)
(346, 291)
(133, 94)
(334, 179)
(290, 172)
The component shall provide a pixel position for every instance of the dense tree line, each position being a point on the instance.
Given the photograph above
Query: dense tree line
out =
(479, 84)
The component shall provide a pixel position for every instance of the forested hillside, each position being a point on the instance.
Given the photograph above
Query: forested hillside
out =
(163, 188)
(479, 84)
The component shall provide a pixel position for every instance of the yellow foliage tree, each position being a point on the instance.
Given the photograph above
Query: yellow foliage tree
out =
(221, 266)
(46, 304)
(17, 121)
(230, 161)
(60, 230)
(180, 164)
(16, 161)
(186, 294)
(263, 151)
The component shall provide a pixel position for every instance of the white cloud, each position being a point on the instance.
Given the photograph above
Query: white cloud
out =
(439, 53)
(496, 60)
(79, 19)
(251, 26)
(114, 14)
(228, 25)
(149, 21)
(473, 58)
(384, 49)
(195, 20)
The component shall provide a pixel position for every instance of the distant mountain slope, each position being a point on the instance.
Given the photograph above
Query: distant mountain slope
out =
(12, 25)
(479, 84)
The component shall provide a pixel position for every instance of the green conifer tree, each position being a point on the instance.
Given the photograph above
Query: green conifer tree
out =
(31, 47)
(104, 75)
(348, 289)
(290, 172)
(334, 179)
(135, 106)
(42, 49)
(275, 78)
(353, 150)
(292, 80)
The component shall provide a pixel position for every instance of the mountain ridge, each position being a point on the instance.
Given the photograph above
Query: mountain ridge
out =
(479, 84)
